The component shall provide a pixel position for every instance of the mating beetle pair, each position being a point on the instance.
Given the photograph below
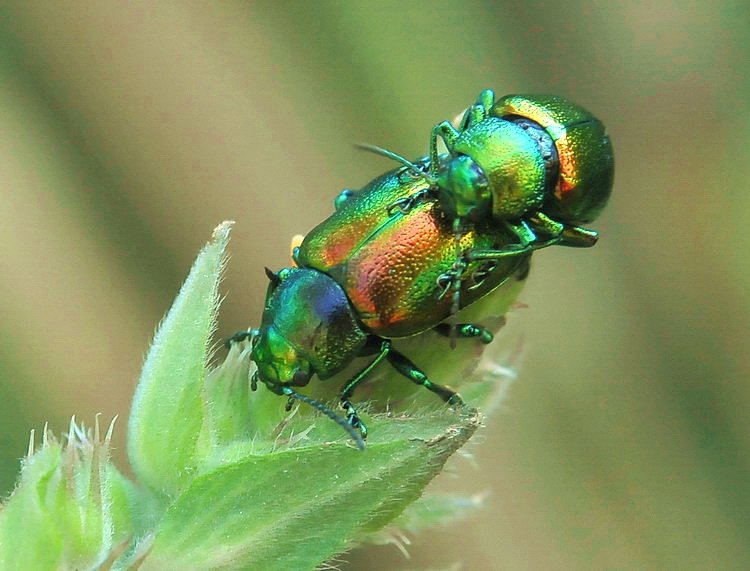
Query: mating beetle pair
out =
(522, 173)
(538, 165)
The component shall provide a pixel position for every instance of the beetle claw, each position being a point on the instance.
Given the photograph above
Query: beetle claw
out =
(402, 205)
(405, 205)
(353, 418)
(482, 273)
(445, 282)
(448, 280)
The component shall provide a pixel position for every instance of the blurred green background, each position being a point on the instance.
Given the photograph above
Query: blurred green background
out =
(129, 130)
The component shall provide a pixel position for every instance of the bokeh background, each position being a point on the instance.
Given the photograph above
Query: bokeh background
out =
(129, 130)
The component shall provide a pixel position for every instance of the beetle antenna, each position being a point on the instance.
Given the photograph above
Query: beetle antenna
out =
(330, 414)
(399, 159)
(455, 306)
(273, 277)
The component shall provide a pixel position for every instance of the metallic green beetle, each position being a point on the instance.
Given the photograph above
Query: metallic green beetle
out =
(379, 267)
(390, 263)
(366, 277)
(537, 164)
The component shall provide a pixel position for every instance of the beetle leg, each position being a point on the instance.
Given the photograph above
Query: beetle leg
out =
(522, 230)
(452, 281)
(474, 114)
(481, 273)
(449, 134)
(486, 99)
(529, 241)
(563, 234)
(353, 419)
(409, 370)
(545, 223)
(479, 111)
(404, 205)
(289, 392)
(447, 280)
(526, 236)
(239, 337)
(481, 255)
(478, 255)
(347, 390)
(465, 331)
(578, 237)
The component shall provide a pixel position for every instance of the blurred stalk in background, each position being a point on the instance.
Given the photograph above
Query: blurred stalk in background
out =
(128, 131)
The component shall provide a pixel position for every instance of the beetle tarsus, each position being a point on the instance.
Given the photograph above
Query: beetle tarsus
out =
(449, 279)
(328, 412)
(405, 205)
(239, 337)
(409, 370)
(465, 331)
(353, 419)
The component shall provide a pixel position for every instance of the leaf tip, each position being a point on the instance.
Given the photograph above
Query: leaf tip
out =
(221, 232)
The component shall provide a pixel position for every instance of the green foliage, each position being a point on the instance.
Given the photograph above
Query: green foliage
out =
(168, 396)
(225, 478)
(71, 507)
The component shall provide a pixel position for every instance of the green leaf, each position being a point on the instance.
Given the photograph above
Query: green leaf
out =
(29, 538)
(429, 511)
(298, 507)
(65, 510)
(227, 478)
(167, 435)
(231, 405)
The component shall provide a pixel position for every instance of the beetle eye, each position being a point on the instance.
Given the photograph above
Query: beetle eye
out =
(300, 378)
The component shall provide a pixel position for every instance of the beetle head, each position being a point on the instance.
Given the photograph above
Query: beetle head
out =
(278, 361)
